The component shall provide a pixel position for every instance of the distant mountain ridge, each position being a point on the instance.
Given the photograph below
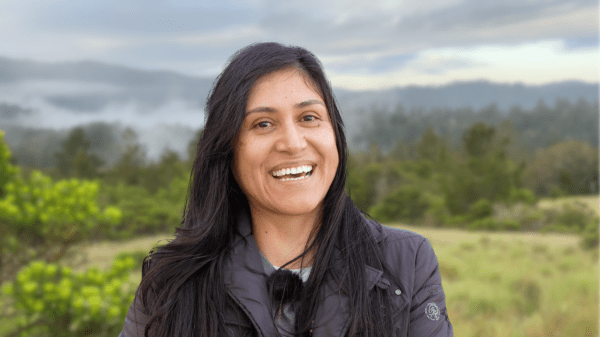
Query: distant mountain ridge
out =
(476, 95)
(59, 96)
(146, 88)
(160, 86)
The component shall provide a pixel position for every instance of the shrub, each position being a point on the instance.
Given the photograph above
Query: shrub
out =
(41, 219)
(590, 235)
(7, 170)
(522, 195)
(482, 208)
(142, 212)
(405, 203)
(568, 218)
(509, 225)
(528, 296)
(488, 223)
(53, 301)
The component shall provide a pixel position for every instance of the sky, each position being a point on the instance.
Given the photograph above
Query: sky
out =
(363, 45)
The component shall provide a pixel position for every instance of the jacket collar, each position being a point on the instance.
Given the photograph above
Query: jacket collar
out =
(246, 281)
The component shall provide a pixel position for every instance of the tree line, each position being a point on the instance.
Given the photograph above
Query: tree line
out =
(529, 130)
(428, 179)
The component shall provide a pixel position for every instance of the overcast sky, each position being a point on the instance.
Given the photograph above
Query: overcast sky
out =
(362, 44)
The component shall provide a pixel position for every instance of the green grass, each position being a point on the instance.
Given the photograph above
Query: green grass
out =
(517, 284)
(590, 202)
(496, 283)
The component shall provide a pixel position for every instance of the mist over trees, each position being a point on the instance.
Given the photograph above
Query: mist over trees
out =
(527, 130)
(539, 127)
(450, 167)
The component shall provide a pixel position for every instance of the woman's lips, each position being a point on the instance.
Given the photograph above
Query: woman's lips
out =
(295, 177)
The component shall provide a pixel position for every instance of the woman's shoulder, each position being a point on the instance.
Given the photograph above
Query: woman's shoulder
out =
(409, 254)
(401, 245)
(387, 234)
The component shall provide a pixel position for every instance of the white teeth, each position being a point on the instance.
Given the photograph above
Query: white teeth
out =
(299, 178)
(293, 170)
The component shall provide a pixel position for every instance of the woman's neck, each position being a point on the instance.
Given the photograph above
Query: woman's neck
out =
(282, 238)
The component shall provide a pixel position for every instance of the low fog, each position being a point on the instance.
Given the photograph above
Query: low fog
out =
(41, 102)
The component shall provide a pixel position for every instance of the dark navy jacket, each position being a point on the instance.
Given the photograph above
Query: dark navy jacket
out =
(419, 296)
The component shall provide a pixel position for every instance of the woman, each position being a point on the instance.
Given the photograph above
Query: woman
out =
(270, 244)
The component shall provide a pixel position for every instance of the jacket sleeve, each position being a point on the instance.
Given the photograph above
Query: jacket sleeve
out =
(428, 315)
(135, 321)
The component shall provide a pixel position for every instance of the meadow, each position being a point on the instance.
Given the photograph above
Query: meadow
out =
(517, 284)
(509, 284)
(496, 283)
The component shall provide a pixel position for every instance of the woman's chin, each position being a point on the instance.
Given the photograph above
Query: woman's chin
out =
(295, 207)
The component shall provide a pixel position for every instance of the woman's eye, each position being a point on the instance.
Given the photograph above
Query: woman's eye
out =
(309, 118)
(262, 125)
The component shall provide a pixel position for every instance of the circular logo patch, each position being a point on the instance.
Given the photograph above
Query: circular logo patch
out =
(432, 311)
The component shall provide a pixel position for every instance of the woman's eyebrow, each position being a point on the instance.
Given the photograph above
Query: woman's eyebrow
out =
(297, 106)
(308, 103)
(261, 109)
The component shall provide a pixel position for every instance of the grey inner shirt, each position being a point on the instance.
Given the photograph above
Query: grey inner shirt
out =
(285, 321)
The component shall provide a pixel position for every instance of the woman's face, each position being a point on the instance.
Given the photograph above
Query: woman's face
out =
(286, 157)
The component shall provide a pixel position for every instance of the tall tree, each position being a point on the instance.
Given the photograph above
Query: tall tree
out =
(432, 147)
(75, 159)
(486, 173)
(570, 166)
(133, 158)
(478, 139)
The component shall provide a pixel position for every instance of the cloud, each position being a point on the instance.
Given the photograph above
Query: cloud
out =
(351, 37)
(529, 63)
(582, 42)
(363, 28)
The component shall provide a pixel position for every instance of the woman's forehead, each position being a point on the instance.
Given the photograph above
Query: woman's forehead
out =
(293, 70)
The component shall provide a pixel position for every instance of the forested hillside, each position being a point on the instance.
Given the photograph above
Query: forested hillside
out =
(528, 130)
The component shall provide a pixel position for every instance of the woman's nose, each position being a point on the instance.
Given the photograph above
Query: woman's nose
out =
(292, 139)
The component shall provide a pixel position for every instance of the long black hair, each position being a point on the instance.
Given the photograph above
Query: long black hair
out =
(183, 291)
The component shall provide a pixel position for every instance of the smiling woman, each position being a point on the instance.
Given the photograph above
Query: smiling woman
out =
(267, 190)
(284, 161)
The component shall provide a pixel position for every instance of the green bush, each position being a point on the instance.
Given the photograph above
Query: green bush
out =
(489, 224)
(142, 212)
(569, 219)
(509, 225)
(362, 181)
(50, 300)
(7, 170)
(529, 294)
(522, 195)
(590, 235)
(54, 209)
(437, 213)
(480, 209)
(42, 219)
(137, 256)
(406, 203)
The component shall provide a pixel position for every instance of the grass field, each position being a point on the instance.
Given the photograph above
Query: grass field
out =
(509, 284)
(517, 284)
(588, 201)
(496, 284)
